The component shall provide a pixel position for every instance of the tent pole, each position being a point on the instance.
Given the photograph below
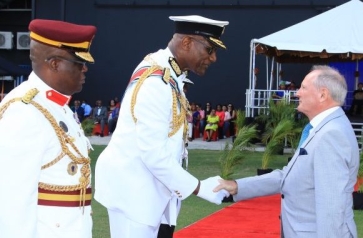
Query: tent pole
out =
(249, 93)
(271, 74)
(266, 72)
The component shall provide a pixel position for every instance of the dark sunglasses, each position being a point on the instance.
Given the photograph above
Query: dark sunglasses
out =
(210, 49)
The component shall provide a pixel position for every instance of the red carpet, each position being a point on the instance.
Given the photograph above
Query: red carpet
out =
(255, 218)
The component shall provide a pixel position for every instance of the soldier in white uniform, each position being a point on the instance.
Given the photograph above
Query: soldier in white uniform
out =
(138, 175)
(45, 169)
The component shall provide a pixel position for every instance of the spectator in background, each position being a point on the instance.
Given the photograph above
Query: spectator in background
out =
(227, 119)
(113, 111)
(212, 124)
(281, 93)
(232, 121)
(207, 110)
(202, 118)
(78, 110)
(196, 117)
(100, 116)
(87, 109)
(117, 102)
(220, 114)
(292, 88)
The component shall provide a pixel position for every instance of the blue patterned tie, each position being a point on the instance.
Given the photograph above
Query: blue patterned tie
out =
(305, 133)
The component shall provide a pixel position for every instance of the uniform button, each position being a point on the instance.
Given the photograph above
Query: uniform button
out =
(57, 225)
(282, 196)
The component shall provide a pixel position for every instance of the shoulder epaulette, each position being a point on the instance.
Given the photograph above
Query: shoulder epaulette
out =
(137, 75)
(29, 95)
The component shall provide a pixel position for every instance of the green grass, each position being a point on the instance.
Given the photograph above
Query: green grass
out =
(202, 164)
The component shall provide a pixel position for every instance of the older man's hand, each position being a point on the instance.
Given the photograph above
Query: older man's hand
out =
(229, 185)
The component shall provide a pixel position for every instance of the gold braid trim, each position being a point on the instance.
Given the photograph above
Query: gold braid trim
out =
(51, 163)
(141, 80)
(181, 119)
(64, 139)
(178, 119)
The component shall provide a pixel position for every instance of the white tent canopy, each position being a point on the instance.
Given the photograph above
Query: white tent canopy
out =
(335, 35)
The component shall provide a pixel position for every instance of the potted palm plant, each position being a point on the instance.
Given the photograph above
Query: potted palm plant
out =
(274, 138)
(87, 126)
(279, 127)
(232, 154)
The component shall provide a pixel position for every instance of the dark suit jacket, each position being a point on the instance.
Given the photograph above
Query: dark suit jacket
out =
(103, 115)
(80, 112)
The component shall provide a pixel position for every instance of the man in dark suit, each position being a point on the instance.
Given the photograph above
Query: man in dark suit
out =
(99, 115)
(78, 110)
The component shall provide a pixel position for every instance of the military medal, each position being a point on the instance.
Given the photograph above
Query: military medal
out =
(72, 168)
(63, 126)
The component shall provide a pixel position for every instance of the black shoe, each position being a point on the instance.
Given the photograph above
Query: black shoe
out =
(101, 134)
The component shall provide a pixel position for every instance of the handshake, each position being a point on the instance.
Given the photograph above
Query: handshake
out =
(206, 190)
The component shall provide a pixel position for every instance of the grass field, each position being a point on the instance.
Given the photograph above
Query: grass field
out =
(202, 164)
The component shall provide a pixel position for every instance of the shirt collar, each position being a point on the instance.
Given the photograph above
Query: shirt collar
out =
(321, 116)
(49, 92)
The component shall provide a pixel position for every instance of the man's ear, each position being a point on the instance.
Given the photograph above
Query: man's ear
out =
(186, 43)
(324, 94)
(53, 64)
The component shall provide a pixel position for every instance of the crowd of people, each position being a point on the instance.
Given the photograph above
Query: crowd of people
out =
(204, 121)
(103, 115)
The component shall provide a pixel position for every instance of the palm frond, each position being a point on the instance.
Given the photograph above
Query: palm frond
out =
(232, 154)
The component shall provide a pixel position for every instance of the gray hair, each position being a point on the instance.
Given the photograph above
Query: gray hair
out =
(331, 79)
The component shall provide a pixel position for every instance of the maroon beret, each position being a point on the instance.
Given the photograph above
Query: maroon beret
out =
(76, 38)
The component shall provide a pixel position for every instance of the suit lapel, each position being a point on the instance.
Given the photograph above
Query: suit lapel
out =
(338, 113)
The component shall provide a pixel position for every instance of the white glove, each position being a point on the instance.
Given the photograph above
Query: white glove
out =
(206, 190)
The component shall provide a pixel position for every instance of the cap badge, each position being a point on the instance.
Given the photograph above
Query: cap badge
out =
(72, 168)
(63, 126)
(174, 65)
(217, 42)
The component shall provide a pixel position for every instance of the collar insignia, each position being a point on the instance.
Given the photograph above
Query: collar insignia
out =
(58, 98)
(174, 65)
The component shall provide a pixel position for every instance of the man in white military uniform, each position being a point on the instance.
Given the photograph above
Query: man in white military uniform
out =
(45, 169)
(138, 175)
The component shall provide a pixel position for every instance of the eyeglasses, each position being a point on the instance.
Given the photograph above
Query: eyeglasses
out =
(210, 49)
(208, 105)
(83, 63)
(229, 105)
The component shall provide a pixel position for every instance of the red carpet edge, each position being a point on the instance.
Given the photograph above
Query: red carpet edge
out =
(254, 218)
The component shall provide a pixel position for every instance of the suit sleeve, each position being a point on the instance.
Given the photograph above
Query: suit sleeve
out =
(257, 186)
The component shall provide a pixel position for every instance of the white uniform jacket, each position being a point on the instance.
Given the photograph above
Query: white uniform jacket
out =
(139, 170)
(316, 186)
(27, 142)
